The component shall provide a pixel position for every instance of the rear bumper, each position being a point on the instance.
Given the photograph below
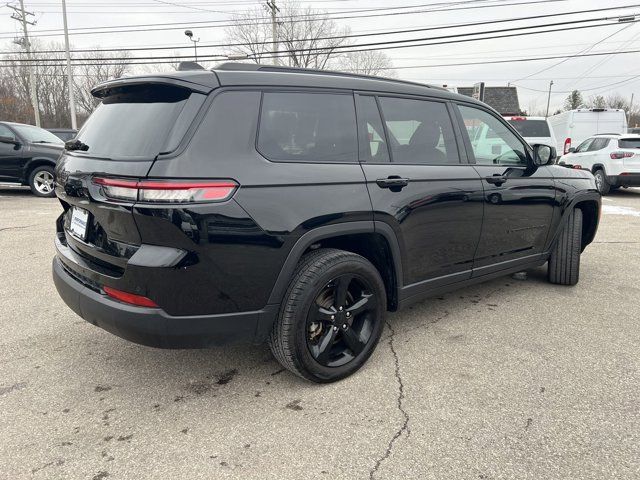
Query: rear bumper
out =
(152, 326)
(631, 180)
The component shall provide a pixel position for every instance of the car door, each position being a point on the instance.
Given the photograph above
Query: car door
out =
(580, 154)
(11, 157)
(593, 154)
(519, 198)
(420, 186)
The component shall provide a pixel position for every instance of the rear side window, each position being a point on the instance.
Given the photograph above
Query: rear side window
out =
(308, 127)
(420, 131)
(373, 146)
(584, 146)
(136, 121)
(598, 144)
(531, 128)
(629, 143)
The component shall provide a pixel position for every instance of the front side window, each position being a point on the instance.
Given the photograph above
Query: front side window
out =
(308, 127)
(491, 140)
(584, 146)
(6, 132)
(420, 131)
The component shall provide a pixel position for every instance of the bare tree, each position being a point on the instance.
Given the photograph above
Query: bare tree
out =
(616, 100)
(597, 101)
(307, 37)
(97, 67)
(369, 62)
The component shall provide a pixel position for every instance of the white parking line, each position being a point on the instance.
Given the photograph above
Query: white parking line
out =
(617, 210)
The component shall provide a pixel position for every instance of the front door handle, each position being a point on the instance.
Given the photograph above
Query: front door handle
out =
(393, 182)
(496, 179)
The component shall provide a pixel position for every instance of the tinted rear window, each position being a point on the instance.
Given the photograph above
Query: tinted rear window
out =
(134, 121)
(531, 128)
(308, 127)
(629, 143)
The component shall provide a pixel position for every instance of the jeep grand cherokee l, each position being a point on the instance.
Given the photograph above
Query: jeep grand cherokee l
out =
(254, 204)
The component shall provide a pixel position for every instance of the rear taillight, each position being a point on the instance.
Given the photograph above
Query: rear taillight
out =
(567, 145)
(619, 155)
(166, 191)
(130, 298)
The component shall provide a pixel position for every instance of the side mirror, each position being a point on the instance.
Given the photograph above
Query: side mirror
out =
(543, 155)
(572, 150)
(10, 140)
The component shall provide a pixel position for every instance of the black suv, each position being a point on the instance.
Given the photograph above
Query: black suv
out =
(296, 207)
(28, 155)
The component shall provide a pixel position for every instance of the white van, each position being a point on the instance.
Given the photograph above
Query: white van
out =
(573, 127)
(534, 130)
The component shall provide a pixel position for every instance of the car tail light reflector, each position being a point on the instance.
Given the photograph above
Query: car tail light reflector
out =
(518, 118)
(166, 191)
(567, 145)
(619, 155)
(130, 298)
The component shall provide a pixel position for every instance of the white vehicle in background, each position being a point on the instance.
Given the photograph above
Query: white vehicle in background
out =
(573, 127)
(534, 130)
(614, 160)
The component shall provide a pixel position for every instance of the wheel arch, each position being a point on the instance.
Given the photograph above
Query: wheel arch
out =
(589, 203)
(35, 163)
(598, 166)
(375, 241)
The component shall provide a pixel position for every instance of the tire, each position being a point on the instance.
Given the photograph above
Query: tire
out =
(41, 181)
(564, 263)
(601, 182)
(297, 339)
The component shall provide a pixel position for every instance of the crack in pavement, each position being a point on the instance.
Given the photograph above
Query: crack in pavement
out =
(400, 400)
(16, 228)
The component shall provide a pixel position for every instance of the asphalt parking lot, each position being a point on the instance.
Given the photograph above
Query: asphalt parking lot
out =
(509, 379)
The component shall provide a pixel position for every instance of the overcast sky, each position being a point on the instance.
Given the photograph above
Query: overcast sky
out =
(592, 75)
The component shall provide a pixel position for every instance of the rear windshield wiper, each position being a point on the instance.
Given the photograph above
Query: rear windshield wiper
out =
(76, 145)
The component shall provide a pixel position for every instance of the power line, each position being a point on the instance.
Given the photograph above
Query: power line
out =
(384, 45)
(361, 35)
(218, 24)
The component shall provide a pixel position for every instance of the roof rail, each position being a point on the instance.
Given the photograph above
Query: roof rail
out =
(255, 67)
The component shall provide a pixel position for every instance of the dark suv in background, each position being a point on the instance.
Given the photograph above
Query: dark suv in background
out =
(256, 204)
(28, 155)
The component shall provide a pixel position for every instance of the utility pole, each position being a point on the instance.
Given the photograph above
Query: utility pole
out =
(72, 101)
(20, 15)
(273, 9)
(549, 98)
(631, 107)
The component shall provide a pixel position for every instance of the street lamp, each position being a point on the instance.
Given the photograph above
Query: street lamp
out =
(195, 41)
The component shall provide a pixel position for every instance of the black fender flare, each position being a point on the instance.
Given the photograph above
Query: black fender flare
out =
(598, 166)
(588, 196)
(328, 231)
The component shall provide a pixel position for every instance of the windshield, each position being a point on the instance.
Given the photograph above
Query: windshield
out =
(629, 143)
(531, 128)
(33, 134)
(133, 121)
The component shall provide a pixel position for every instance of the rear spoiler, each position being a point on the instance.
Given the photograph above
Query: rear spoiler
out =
(196, 81)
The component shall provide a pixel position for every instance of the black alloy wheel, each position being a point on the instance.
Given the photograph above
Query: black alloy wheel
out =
(340, 323)
(331, 317)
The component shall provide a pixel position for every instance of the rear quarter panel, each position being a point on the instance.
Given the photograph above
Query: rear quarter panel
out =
(241, 245)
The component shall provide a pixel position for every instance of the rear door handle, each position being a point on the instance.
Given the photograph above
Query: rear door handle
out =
(393, 182)
(496, 179)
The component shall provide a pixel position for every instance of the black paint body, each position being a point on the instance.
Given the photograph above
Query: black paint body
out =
(218, 271)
